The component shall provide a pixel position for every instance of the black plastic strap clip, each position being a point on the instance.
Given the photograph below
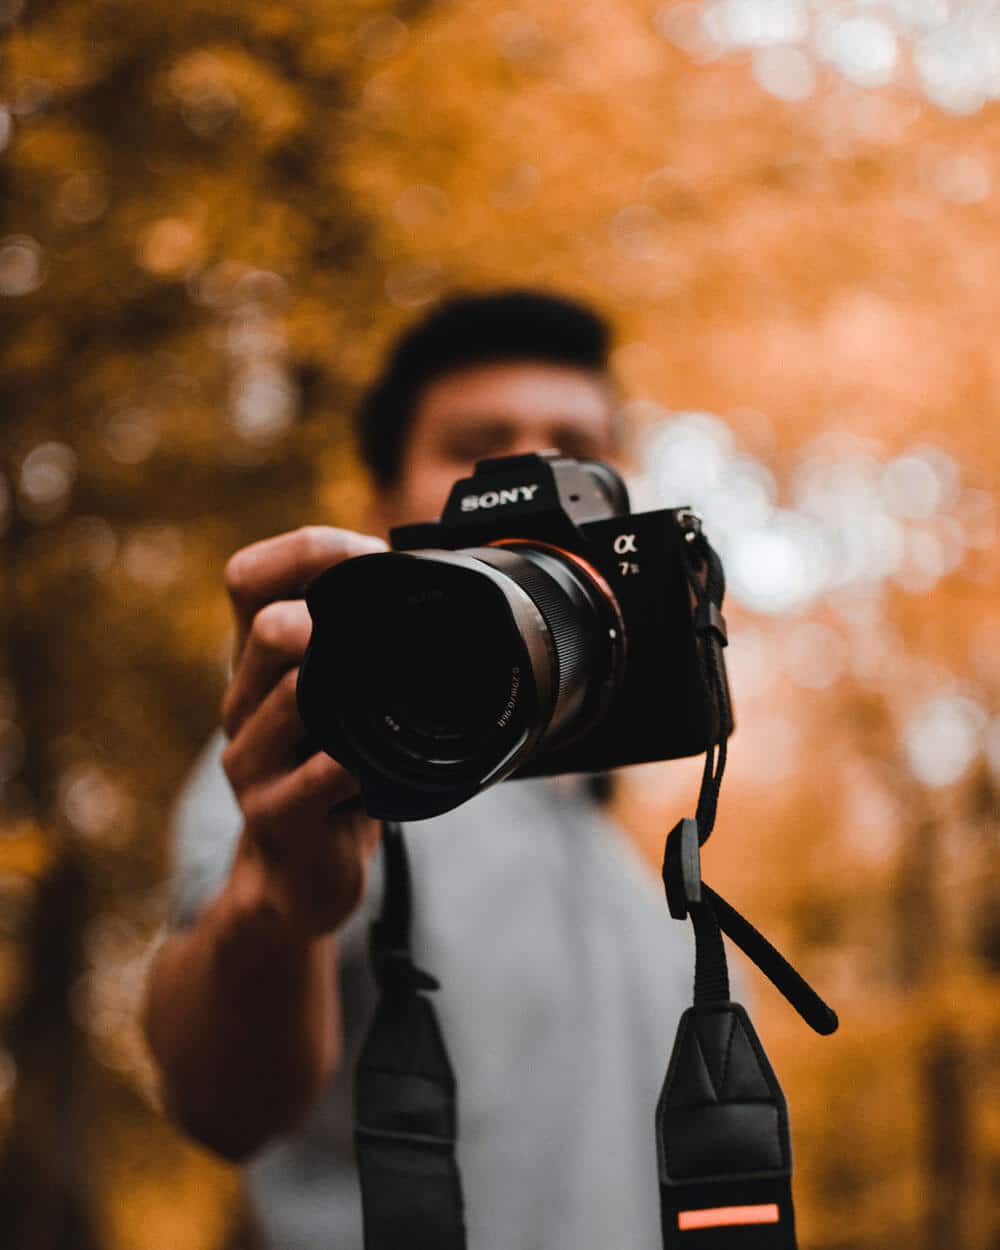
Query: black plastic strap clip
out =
(682, 868)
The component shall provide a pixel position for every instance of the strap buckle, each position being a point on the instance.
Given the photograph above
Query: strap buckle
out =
(682, 868)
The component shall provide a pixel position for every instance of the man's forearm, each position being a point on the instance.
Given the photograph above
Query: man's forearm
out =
(242, 1018)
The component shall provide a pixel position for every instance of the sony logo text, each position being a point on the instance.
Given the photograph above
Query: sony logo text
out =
(491, 498)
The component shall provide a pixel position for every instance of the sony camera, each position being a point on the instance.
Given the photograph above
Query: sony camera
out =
(538, 628)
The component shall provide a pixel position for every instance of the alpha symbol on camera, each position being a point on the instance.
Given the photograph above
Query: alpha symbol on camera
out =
(624, 543)
(490, 498)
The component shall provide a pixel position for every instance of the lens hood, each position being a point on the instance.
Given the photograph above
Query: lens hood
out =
(429, 675)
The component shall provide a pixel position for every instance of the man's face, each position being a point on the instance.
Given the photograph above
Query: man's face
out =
(496, 410)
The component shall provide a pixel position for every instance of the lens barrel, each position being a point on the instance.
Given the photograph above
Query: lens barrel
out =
(431, 674)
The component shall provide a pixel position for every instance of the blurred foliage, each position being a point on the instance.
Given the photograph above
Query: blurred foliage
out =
(214, 217)
(187, 297)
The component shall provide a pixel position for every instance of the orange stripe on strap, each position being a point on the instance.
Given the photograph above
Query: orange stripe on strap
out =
(720, 1217)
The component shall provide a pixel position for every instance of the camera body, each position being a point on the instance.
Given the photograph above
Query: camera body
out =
(662, 709)
(538, 628)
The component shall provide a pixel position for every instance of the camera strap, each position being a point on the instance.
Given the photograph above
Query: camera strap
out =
(722, 1137)
(404, 1090)
(723, 1145)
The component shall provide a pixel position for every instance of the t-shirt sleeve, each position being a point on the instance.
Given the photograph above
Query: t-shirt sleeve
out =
(205, 826)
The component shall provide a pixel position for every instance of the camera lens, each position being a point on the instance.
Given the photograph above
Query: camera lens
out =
(443, 671)
(438, 674)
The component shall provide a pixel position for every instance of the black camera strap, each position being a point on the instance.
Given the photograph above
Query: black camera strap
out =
(722, 1135)
(723, 1145)
(404, 1090)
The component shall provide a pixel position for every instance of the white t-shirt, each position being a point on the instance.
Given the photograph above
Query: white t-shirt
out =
(562, 981)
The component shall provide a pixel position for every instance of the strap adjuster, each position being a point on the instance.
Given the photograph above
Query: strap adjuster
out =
(708, 619)
(682, 868)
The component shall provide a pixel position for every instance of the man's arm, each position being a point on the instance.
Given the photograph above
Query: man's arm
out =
(241, 1011)
(241, 1017)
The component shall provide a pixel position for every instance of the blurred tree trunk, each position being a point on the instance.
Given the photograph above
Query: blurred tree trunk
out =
(923, 946)
(948, 1130)
(44, 1201)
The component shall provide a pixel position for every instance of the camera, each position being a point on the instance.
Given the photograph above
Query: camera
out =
(538, 628)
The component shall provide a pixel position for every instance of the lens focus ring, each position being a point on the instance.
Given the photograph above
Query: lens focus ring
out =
(571, 645)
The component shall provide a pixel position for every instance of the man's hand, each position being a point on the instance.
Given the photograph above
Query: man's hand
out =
(242, 1013)
(306, 841)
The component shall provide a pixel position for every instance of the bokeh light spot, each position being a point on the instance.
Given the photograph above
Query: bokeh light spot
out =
(761, 23)
(911, 487)
(956, 61)
(412, 285)
(22, 267)
(81, 199)
(208, 103)
(48, 472)
(943, 737)
(784, 72)
(169, 246)
(263, 405)
(253, 335)
(382, 36)
(863, 48)
(856, 520)
(94, 805)
(153, 556)
(686, 27)
(420, 206)
(131, 435)
(781, 567)
(638, 231)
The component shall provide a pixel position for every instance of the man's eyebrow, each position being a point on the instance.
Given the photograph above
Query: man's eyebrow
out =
(566, 425)
(479, 430)
(477, 425)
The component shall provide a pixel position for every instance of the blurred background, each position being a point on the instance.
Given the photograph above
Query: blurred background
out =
(215, 216)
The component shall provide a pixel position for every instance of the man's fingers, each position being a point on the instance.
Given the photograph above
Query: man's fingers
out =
(266, 743)
(298, 804)
(280, 568)
(276, 643)
(316, 839)
(322, 882)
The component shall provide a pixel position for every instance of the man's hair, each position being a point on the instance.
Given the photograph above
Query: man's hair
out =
(458, 333)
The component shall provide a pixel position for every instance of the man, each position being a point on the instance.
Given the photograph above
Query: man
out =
(562, 977)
